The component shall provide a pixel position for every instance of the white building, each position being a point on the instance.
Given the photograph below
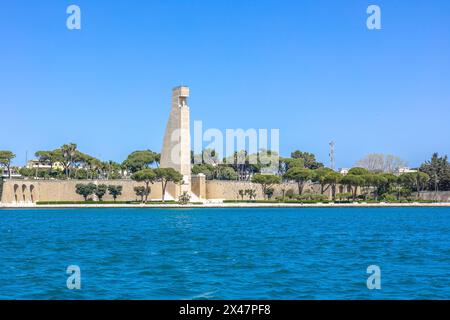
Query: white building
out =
(403, 170)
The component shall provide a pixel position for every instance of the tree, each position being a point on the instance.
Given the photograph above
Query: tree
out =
(226, 173)
(47, 157)
(354, 181)
(100, 191)
(376, 181)
(243, 164)
(251, 194)
(378, 162)
(184, 198)
(358, 171)
(206, 169)
(208, 156)
(438, 169)
(299, 175)
(288, 163)
(66, 155)
(140, 160)
(111, 170)
(115, 191)
(166, 175)
(5, 160)
(333, 178)
(267, 181)
(85, 190)
(269, 193)
(320, 176)
(147, 176)
(309, 159)
(415, 180)
(142, 192)
(388, 184)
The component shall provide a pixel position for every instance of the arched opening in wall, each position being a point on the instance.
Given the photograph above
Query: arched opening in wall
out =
(349, 189)
(32, 193)
(16, 197)
(24, 190)
(341, 189)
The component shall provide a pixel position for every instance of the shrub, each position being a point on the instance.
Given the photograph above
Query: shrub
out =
(388, 197)
(85, 190)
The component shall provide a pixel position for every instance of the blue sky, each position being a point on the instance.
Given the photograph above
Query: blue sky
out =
(310, 68)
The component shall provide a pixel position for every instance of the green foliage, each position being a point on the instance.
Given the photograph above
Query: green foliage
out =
(388, 197)
(267, 181)
(226, 173)
(438, 169)
(415, 180)
(353, 181)
(142, 192)
(299, 175)
(290, 193)
(85, 190)
(312, 197)
(269, 193)
(184, 198)
(344, 196)
(115, 191)
(250, 193)
(5, 160)
(358, 171)
(140, 160)
(100, 191)
(147, 176)
(289, 163)
(206, 169)
(309, 159)
(166, 175)
(320, 176)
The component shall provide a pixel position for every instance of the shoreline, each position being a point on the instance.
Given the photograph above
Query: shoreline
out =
(228, 205)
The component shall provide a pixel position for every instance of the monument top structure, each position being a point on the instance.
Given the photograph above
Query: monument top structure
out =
(176, 150)
(182, 91)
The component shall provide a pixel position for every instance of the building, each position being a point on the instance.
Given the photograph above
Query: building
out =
(5, 174)
(403, 170)
(36, 164)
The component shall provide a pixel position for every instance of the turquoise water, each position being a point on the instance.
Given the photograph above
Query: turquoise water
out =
(225, 253)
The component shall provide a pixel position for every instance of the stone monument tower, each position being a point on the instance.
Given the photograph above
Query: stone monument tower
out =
(176, 150)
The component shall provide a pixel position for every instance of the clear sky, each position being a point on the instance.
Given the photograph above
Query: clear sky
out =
(310, 68)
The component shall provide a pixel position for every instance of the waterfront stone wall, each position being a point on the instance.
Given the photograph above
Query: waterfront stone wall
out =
(440, 196)
(31, 191)
(229, 190)
(1, 188)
